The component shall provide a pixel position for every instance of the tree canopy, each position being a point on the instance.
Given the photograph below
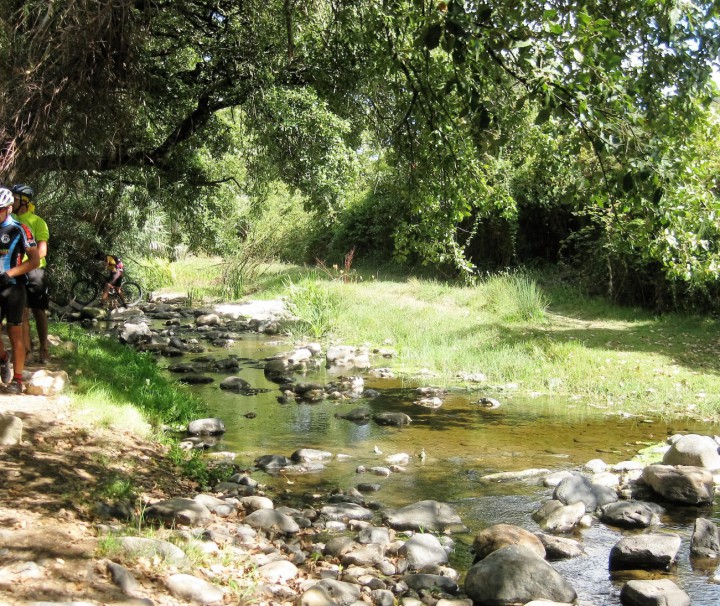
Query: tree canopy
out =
(454, 99)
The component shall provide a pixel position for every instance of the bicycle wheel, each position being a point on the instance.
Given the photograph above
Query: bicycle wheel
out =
(133, 293)
(83, 291)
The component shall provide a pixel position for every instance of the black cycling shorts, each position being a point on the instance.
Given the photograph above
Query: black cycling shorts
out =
(12, 304)
(37, 290)
(115, 278)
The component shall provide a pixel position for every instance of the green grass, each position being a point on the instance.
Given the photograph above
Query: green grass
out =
(536, 332)
(117, 387)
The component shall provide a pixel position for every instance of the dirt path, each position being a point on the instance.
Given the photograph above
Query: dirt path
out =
(50, 488)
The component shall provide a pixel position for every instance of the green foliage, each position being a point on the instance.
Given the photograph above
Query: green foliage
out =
(153, 273)
(317, 305)
(515, 297)
(197, 467)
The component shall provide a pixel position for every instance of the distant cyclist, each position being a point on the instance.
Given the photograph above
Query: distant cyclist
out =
(38, 299)
(16, 242)
(115, 269)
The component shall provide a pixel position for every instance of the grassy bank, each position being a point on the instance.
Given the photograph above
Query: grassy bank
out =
(536, 336)
(119, 388)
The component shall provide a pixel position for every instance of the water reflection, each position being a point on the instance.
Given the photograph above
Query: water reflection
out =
(463, 442)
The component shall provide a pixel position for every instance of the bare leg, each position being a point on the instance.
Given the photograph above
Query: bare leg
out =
(41, 321)
(18, 347)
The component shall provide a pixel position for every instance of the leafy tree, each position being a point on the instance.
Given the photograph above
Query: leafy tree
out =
(149, 94)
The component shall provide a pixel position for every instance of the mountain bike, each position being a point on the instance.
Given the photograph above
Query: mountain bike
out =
(85, 290)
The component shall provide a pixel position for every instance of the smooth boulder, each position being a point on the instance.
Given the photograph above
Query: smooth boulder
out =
(681, 484)
(499, 535)
(693, 450)
(427, 515)
(653, 551)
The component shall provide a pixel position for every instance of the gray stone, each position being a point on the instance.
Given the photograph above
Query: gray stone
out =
(356, 415)
(681, 484)
(279, 571)
(515, 574)
(207, 320)
(656, 592)
(512, 476)
(382, 597)
(179, 511)
(217, 506)
(123, 578)
(253, 503)
(235, 384)
(345, 511)
(423, 515)
(272, 462)
(269, 519)
(343, 594)
(11, 428)
(499, 535)
(46, 383)
(134, 333)
(629, 514)
(595, 466)
(363, 555)
(306, 455)
(695, 451)
(206, 427)
(431, 581)
(397, 419)
(193, 589)
(554, 479)
(646, 551)
(338, 546)
(559, 548)
(423, 550)
(562, 518)
(375, 534)
(705, 542)
(577, 488)
(316, 596)
(141, 547)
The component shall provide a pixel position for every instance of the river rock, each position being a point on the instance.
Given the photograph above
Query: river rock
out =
(681, 484)
(647, 551)
(338, 546)
(305, 455)
(705, 542)
(196, 379)
(559, 548)
(192, 589)
(363, 555)
(340, 592)
(219, 507)
(431, 582)
(207, 320)
(123, 578)
(595, 466)
(279, 571)
(499, 535)
(423, 550)
(555, 478)
(578, 488)
(629, 514)
(515, 574)
(134, 333)
(397, 419)
(553, 516)
(511, 476)
(235, 384)
(345, 511)
(149, 548)
(656, 592)
(11, 429)
(695, 451)
(356, 415)
(46, 383)
(379, 535)
(272, 462)
(179, 511)
(211, 427)
(400, 458)
(253, 503)
(423, 515)
(270, 519)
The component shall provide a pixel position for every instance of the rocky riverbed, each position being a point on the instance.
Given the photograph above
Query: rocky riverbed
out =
(243, 541)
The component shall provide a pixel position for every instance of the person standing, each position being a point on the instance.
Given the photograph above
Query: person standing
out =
(38, 299)
(16, 242)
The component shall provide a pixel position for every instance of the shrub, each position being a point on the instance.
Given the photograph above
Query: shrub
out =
(515, 297)
(316, 306)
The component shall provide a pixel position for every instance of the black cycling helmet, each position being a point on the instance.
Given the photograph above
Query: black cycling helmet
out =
(23, 190)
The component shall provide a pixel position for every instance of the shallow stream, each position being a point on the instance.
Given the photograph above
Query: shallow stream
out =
(462, 443)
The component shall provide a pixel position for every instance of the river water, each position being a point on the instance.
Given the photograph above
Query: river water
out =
(462, 442)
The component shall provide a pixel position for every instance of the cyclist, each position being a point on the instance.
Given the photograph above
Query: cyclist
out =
(37, 291)
(115, 267)
(16, 241)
